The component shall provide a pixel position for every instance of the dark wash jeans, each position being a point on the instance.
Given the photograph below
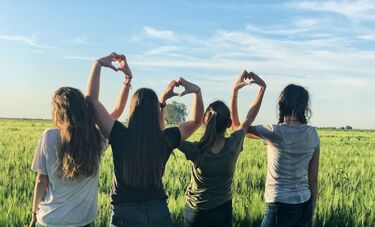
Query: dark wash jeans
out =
(136, 214)
(288, 215)
(220, 216)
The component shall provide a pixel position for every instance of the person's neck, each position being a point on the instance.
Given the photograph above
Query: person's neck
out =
(291, 120)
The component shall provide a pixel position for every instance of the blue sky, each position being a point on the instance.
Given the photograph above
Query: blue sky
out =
(326, 46)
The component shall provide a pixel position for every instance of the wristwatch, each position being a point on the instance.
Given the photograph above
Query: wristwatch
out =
(163, 105)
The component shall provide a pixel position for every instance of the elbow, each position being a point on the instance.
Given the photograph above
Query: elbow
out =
(198, 123)
(89, 99)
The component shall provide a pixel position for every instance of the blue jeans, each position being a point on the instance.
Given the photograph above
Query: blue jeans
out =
(285, 215)
(137, 214)
(216, 217)
(39, 225)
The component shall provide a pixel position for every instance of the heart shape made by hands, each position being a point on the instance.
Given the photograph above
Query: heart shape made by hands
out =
(179, 89)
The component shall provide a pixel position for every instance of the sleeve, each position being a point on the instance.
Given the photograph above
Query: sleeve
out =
(237, 139)
(116, 132)
(39, 162)
(266, 132)
(190, 149)
(317, 140)
(173, 136)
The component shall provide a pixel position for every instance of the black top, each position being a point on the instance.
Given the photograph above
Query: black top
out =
(120, 192)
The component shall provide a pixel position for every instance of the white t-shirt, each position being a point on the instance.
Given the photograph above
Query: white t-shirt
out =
(66, 203)
(290, 149)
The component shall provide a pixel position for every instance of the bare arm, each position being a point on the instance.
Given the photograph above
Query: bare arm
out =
(255, 106)
(187, 128)
(167, 94)
(102, 118)
(41, 184)
(313, 179)
(233, 101)
(121, 100)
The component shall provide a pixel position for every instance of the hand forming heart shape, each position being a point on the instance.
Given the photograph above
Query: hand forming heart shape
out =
(121, 59)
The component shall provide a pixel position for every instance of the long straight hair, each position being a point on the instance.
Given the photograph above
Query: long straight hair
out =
(294, 101)
(80, 146)
(216, 120)
(144, 163)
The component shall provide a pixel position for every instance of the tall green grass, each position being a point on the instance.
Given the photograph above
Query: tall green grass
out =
(346, 178)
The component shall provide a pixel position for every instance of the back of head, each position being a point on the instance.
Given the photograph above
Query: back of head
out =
(144, 165)
(80, 144)
(216, 120)
(294, 101)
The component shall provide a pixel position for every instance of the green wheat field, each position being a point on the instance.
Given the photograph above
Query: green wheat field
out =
(346, 178)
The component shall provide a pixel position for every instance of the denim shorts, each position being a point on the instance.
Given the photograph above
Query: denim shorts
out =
(138, 214)
(219, 216)
(288, 215)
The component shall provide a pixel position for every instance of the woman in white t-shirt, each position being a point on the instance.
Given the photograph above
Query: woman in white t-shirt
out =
(293, 159)
(67, 161)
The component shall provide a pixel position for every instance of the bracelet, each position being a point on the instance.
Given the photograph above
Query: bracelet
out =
(127, 84)
(163, 105)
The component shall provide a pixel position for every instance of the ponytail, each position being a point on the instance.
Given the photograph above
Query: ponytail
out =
(209, 137)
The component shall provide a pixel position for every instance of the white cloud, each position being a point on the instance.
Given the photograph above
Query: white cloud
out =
(159, 34)
(25, 40)
(353, 9)
(82, 40)
(367, 37)
(81, 58)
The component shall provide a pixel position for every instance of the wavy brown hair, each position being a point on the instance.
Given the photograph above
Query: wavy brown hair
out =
(294, 101)
(216, 120)
(144, 163)
(80, 145)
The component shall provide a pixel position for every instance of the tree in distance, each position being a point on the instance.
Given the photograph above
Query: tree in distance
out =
(175, 112)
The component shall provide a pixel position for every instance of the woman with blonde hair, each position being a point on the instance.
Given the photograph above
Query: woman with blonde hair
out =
(141, 149)
(67, 162)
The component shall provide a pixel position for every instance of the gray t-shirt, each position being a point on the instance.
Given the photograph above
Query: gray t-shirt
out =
(290, 149)
(66, 203)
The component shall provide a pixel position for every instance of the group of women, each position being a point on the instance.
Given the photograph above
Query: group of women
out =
(67, 159)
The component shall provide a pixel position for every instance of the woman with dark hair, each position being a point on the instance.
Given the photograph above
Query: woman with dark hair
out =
(67, 161)
(293, 159)
(214, 157)
(141, 150)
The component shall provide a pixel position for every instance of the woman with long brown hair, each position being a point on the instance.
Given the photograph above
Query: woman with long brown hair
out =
(214, 157)
(67, 162)
(141, 149)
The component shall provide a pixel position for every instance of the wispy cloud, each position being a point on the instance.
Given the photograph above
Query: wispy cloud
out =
(25, 40)
(80, 58)
(83, 41)
(353, 9)
(159, 34)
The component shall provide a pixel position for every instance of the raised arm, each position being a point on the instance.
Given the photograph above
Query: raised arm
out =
(240, 83)
(255, 106)
(102, 118)
(313, 179)
(187, 128)
(124, 92)
(167, 94)
(41, 184)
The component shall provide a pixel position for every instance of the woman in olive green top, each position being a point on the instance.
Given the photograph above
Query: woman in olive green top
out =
(214, 157)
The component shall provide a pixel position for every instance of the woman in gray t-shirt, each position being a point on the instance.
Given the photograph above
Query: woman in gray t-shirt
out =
(293, 160)
(67, 161)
